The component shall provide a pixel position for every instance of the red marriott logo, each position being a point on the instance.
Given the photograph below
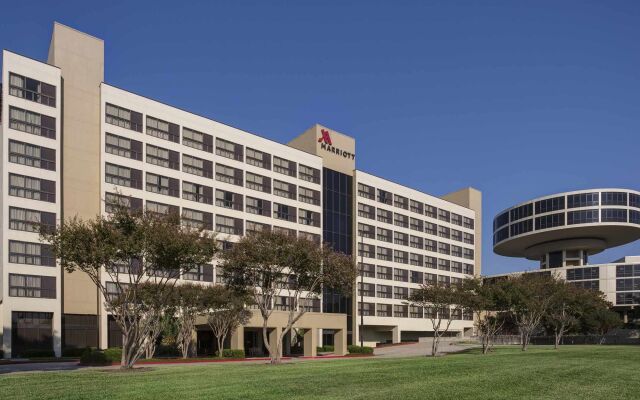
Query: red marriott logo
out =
(325, 137)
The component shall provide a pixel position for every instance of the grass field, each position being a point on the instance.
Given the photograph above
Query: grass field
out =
(573, 372)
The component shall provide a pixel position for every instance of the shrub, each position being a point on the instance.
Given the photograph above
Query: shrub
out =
(326, 349)
(233, 353)
(34, 353)
(167, 351)
(113, 354)
(94, 357)
(353, 349)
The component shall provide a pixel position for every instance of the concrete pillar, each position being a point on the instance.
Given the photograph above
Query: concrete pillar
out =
(274, 336)
(237, 338)
(310, 342)
(340, 342)
(396, 334)
(320, 341)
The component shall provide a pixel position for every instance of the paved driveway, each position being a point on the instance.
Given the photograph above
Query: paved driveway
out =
(37, 367)
(419, 349)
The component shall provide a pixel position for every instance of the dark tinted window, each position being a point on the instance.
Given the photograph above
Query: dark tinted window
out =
(582, 200)
(614, 198)
(522, 212)
(547, 205)
(582, 217)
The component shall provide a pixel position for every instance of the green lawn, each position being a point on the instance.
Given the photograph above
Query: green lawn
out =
(573, 372)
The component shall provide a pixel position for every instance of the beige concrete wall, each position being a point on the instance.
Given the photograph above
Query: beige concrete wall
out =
(81, 59)
(471, 198)
(339, 156)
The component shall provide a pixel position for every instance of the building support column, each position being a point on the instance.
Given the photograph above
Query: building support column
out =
(310, 342)
(396, 335)
(274, 336)
(340, 342)
(237, 339)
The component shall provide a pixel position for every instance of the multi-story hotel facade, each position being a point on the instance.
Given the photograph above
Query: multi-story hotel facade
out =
(73, 144)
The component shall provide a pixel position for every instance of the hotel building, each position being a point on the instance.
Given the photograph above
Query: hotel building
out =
(72, 145)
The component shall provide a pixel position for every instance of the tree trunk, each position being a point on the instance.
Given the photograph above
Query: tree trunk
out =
(525, 341)
(434, 344)
(220, 345)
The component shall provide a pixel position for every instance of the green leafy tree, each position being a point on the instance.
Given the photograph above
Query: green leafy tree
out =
(272, 265)
(190, 301)
(225, 311)
(134, 260)
(486, 301)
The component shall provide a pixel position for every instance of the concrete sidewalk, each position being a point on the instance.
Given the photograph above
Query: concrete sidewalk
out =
(422, 348)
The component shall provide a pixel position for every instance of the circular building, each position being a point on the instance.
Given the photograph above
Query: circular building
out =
(563, 229)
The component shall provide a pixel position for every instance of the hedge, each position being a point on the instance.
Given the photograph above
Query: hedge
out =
(326, 349)
(233, 353)
(354, 349)
(94, 357)
(114, 354)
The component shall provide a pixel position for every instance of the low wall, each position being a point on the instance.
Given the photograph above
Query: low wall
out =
(566, 340)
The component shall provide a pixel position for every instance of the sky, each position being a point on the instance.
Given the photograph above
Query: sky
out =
(517, 99)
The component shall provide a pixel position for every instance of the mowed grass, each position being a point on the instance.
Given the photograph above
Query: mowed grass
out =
(573, 372)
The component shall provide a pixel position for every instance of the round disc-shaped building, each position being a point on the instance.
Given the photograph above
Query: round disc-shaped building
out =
(565, 228)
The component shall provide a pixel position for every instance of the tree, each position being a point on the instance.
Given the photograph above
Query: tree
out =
(601, 321)
(439, 302)
(563, 309)
(287, 272)
(225, 312)
(486, 301)
(190, 301)
(123, 252)
(528, 297)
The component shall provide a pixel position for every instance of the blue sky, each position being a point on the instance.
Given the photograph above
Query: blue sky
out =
(518, 99)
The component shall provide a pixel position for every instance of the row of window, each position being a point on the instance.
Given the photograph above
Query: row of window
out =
(623, 285)
(410, 311)
(577, 274)
(623, 271)
(132, 120)
(32, 122)
(32, 90)
(404, 221)
(418, 260)
(32, 188)
(628, 298)
(385, 197)
(36, 286)
(403, 275)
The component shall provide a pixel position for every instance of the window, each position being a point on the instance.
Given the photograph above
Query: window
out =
(197, 219)
(284, 189)
(196, 192)
(444, 280)
(43, 287)
(400, 256)
(416, 242)
(417, 277)
(383, 310)
(31, 89)
(416, 206)
(430, 211)
(258, 158)
(456, 266)
(548, 205)
(366, 191)
(416, 224)
(309, 174)
(634, 217)
(444, 215)
(385, 273)
(582, 217)
(163, 157)
(367, 270)
(521, 227)
(430, 262)
(282, 166)
(113, 200)
(550, 221)
(430, 245)
(163, 185)
(228, 199)
(259, 182)
(225, 148)
(416, 259)
(201, 273)
(123, 117)
(384, 235)
(467, 253)
(627, 284)
(229, 174)
(366, 309)
(366, 250)
(628, 298)
(163, 129)
(307, 217)
(444, 248)
(368, 231)
(31, 254)
(31, 122)
(161, 208)
(312, 237)
(229, 225)
(384, 254)
(614, 215)
(22, 219)
(385, 216)
(384, 197)
(431, 228)
(400, 311)
(123, 176)
(467, 238)
(415, 312)
(258, 206)
(123, 147)
(401, 201)
(467, 269)
(456, 219)
(308, 196)
(366, 289)
(456, 251)
(634, 200)
(284, 212)
(32, 155)
(577, 274)
(583, 200)
(501, 220)
(614, 198)
(467, 222)
(285, 231)
(401, 220)
(444, 265)
(197, 166)
(253, 227)
(456, 235)
(401, 238)
(444, 232)
(383, 291)
(523, 211)
(32, 188)
(366, 211)
(400, 293)
(197, 140)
